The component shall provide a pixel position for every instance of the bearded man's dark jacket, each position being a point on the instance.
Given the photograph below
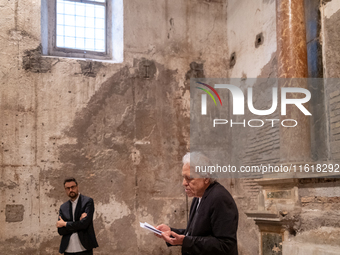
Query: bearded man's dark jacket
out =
(83, 227)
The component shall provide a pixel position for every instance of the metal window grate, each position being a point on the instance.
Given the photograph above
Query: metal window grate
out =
(81, 25)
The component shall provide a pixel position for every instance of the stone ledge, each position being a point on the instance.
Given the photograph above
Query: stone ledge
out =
(297, 248)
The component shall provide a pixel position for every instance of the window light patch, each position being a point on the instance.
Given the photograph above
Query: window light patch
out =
(81, 25)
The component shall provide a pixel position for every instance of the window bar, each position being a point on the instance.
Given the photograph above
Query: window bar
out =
(88, 2)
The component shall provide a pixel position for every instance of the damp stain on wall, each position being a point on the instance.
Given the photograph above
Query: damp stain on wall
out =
(128, 125)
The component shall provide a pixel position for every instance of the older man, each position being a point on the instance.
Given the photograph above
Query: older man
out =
(213, 220)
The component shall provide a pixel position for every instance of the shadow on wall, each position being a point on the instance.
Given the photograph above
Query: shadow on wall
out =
(130, 137)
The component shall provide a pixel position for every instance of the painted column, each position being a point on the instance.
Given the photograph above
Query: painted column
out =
(292, 63)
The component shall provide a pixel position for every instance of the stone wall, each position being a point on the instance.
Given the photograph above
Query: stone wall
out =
(318, 227)
(122, 130)
(251, 30)
(119, 131)
(316, 206)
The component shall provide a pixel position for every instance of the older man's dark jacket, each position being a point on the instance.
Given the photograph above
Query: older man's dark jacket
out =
(212, 228)
(84, 227)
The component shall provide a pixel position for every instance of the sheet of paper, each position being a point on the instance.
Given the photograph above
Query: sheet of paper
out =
(150, 228)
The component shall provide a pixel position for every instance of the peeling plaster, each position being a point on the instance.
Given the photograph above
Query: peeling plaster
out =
(111, 211)
(331, 8)
(90, 68)
(10, 185)
(34, 62)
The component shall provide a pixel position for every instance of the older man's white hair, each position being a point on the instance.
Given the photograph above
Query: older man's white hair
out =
(197, 158)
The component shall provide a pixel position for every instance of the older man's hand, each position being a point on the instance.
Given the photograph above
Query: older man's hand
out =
(61, 223)
(162, 228)
(173, 238)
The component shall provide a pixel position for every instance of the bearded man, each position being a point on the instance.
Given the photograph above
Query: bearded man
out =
(75, 223)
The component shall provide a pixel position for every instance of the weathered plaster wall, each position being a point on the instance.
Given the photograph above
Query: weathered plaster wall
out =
(330, 18)
(251, 33)
(331, 60)
(317, 229)
(246, 20)
(317, 206)
(122, 135)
